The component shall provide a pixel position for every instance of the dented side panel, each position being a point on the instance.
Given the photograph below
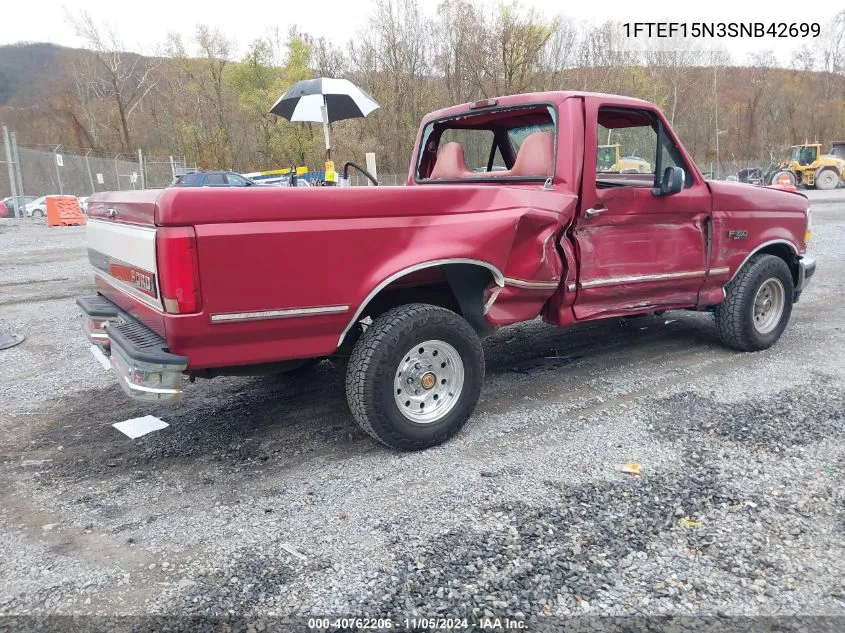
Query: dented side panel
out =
(643, 252)
(282, 289)
(637, 251)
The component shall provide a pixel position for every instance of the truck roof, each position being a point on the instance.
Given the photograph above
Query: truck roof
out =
(555, 96)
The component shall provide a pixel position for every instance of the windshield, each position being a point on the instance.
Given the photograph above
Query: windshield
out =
(803, 154)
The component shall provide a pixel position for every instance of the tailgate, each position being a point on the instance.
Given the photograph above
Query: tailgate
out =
(121, 238)
(124, 258)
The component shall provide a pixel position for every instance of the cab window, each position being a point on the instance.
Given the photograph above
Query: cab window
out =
(627, 149)
(516, 143)
(237, 181)
(477, 145)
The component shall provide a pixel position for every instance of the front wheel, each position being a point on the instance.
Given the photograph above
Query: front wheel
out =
(37, 214)
(415, 376)
(784, 177)
(757, 305)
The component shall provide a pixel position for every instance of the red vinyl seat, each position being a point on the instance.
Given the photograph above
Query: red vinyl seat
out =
(536, 156)
(451, 164)
(535, 159)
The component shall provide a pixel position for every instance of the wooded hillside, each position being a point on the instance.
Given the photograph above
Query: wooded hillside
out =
(197, 100)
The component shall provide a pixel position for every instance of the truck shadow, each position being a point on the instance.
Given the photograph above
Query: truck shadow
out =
(288, 418)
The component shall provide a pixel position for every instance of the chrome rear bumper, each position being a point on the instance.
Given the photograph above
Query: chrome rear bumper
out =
(139, 357)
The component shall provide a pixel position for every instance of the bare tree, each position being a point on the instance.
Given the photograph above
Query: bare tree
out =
(123, 78)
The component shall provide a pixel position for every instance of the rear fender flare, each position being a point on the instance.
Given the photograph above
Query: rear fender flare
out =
(497, 275)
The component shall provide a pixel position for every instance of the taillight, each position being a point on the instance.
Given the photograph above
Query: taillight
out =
(178, 269)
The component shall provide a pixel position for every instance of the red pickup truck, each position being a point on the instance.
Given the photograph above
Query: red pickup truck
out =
(511, 210)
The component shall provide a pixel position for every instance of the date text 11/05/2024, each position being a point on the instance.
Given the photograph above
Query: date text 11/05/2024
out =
(416, 624)
(721, 29)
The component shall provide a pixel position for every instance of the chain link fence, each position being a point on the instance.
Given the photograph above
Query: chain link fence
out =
(60, 171)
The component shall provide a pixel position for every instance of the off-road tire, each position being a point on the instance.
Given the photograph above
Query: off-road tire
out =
(784, 172)
(828, 179)
(375, 360)
(735, 315)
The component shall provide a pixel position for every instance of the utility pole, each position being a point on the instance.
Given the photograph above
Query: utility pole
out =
(56, 162)
(117, 172)
(17, 158)
(141, 169)
(10, 165)
(90, 177)
(716, 116)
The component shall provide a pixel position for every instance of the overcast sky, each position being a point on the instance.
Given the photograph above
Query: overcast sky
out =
(144, 24)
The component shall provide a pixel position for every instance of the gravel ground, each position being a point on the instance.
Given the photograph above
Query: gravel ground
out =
(263, 498)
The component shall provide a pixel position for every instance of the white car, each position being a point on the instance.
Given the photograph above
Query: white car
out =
(37, 208)
(83, 204)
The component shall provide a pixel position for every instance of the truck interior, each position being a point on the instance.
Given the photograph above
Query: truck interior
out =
(509, 143)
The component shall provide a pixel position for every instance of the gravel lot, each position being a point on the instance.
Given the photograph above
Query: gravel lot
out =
(263, 498)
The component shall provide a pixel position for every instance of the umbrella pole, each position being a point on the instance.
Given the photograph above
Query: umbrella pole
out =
(325, 112)
(330, 177)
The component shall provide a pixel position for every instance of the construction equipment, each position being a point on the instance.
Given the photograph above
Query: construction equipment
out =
(807, 166)
(609, 160)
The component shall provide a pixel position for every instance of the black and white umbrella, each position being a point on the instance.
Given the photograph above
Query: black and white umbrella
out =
(324, 100)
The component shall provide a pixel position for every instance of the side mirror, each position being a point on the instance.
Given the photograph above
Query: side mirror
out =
(672, 182)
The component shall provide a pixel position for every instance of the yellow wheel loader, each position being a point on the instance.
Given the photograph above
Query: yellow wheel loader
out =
(610, 160)
(807, 166)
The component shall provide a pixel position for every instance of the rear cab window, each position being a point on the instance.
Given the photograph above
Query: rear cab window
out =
(516, 143)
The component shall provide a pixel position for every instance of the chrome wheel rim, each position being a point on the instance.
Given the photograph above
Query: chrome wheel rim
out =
(428, 381)
(768, 306)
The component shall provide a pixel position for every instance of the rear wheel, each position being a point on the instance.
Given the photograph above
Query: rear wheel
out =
(827, 179)
(757, 305)
(415, 376)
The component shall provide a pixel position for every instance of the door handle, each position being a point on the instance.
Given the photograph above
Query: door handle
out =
(591, 213)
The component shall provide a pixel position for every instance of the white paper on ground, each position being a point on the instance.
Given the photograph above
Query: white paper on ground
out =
(97, 353)
(136, 427)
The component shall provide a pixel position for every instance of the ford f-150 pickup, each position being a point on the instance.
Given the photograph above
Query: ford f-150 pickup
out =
(506, 215)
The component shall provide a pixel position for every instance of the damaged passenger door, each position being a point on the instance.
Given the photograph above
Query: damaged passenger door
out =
(641, 239)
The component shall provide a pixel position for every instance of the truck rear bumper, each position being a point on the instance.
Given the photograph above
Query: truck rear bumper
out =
(145, 369)
(806, 269)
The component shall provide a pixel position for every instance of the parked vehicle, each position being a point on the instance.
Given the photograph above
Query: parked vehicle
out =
(609, 159)
(211, 179)
(402, 282)
(807, 166)
(750, 175)
(283, 181)
(37, 208)
(9, 207)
